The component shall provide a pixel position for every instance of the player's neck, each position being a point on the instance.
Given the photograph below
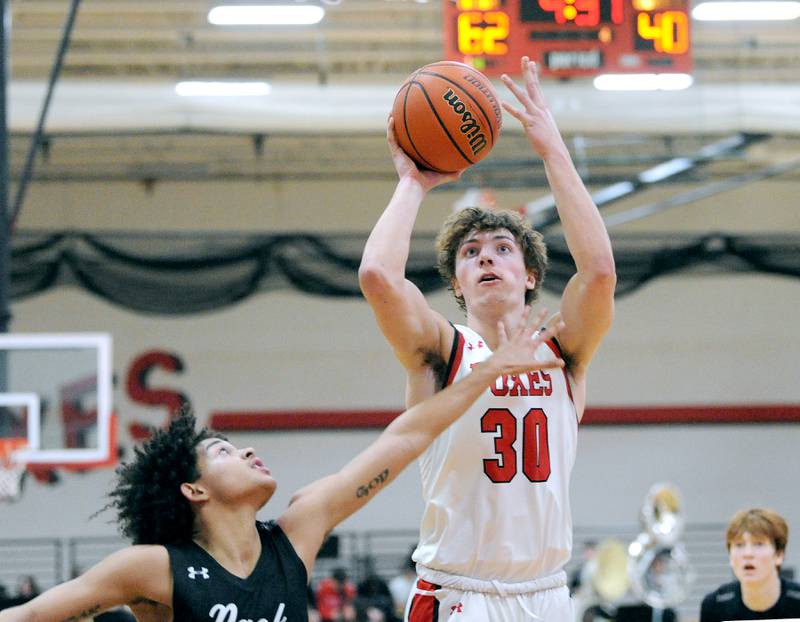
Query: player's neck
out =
(484, 322)
(762, 595)
(230, 536)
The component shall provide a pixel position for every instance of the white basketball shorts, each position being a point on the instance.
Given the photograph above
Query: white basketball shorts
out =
(431, 602)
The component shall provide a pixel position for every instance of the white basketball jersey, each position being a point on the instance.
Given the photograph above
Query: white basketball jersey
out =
(496, 482)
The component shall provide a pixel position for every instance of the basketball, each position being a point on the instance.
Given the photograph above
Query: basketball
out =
(447, 116)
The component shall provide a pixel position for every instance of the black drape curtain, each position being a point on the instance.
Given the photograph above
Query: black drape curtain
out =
(177, 274)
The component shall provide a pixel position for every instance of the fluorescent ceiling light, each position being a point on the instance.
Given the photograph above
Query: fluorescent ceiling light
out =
(612, 192)
(221, 89)
(665, 170)
(259, 15)
(746, 11)
(643, 81)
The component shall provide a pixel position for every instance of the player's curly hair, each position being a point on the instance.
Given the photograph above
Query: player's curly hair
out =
(464, 222)
(150, 506)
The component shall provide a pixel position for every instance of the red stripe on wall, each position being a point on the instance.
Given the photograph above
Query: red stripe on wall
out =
(278, 420)
(753, 413)
(300, 419)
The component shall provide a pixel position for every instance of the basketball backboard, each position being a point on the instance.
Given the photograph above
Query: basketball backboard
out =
(55, 391)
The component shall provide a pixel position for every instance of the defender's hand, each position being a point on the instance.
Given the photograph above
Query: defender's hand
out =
(516, 352)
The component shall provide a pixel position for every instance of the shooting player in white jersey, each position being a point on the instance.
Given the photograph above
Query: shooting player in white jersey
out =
(496, 531)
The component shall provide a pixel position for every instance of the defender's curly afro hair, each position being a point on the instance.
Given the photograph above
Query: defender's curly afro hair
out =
(150, 506)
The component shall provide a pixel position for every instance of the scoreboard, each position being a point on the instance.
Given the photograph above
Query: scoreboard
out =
(569, 38)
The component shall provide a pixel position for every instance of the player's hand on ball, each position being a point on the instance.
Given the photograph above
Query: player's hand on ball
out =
(407, 168)
(535, 117)
(516, 352)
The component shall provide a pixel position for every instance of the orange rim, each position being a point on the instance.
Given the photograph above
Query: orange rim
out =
(8, 446)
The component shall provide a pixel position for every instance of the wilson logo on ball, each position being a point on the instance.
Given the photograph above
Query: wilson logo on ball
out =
(469, 124)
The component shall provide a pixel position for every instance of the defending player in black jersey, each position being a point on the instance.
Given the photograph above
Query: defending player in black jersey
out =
(756, 541)
(189, 502)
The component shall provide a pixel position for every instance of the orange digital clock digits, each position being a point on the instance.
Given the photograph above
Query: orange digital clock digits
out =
(669, 31)
(477, 5)
(580, 12)
(586, 13)
(482, 32)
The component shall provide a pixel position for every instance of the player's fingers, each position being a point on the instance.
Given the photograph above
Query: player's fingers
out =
(552, 363)
(512, 86)
(532, 326)
(538, 321)
(531, 365)
(517, 114)
(502, 332)
(390, 135)
(437, 179)
(529, 76)
(551, 332)
(454, 176)
(524, 322)
(532, 85)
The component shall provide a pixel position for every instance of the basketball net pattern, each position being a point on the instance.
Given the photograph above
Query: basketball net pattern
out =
(10, 471)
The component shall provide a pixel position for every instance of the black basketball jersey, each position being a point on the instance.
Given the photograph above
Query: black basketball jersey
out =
(274, 592)
(726, 603)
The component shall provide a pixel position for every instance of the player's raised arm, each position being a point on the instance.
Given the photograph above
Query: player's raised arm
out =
(588, 302)
(403, 315)
(138, 573)
(319, 507)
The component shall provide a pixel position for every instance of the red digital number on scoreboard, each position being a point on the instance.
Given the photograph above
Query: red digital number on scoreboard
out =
(570, 37)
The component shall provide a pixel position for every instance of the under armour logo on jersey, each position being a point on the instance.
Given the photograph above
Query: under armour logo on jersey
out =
(193, 574)
(457, 608)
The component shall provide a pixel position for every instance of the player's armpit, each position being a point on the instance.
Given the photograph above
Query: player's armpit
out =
(134, 572)
(306, 521)
(403, 315)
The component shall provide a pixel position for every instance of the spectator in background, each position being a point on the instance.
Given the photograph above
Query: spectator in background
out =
(27, 588)
(4, 597)
(400, 586)
(335, 596)
(582, 575)
(588, 605)
(756, 541)
(313, 614)
(374, 600)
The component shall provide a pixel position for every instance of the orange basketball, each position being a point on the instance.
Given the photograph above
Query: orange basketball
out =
(447, 116)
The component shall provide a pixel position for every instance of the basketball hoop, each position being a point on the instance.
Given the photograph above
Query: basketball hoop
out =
(11, 471)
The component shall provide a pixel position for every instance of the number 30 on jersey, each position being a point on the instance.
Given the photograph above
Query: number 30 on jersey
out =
(535, 448)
